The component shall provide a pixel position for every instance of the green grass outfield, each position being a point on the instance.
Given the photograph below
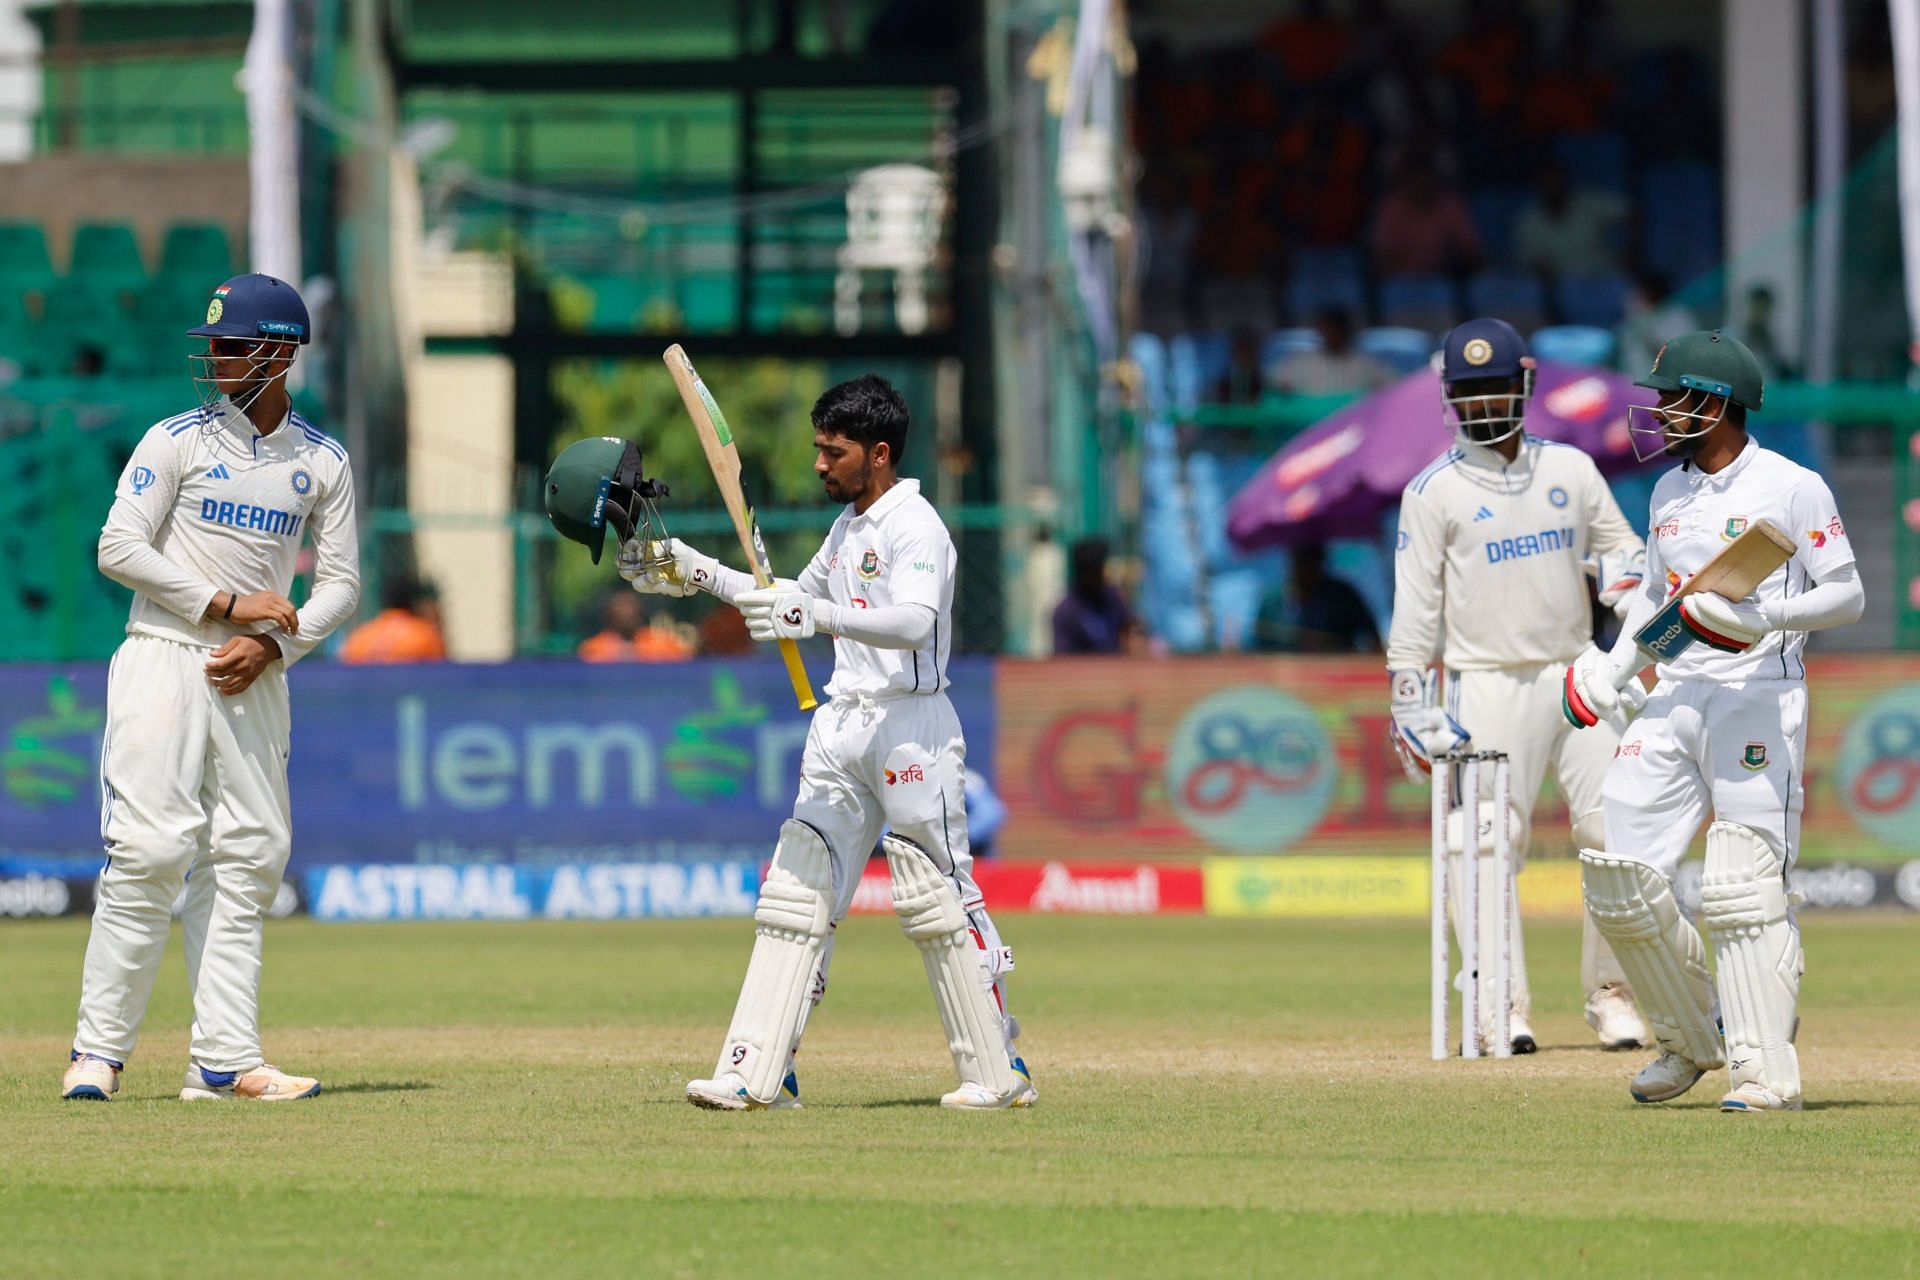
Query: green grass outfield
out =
(1218, 1098)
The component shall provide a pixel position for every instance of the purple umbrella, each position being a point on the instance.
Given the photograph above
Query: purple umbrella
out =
(1336, 478)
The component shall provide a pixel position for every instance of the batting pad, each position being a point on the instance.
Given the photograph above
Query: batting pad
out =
(1660, 952)
(932, 916)
(794, 919)
(1756, 956)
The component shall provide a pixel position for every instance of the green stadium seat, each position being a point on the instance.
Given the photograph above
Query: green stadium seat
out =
(197, 251)
(23, 251)
(106, 254)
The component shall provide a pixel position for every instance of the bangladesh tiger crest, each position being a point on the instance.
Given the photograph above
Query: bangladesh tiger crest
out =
(1736, 525)
(1755, 756)
(870, 564)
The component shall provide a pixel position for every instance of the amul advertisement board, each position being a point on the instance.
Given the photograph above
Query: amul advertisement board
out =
(1256, 756)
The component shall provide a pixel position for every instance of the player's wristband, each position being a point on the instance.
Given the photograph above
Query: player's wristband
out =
(231, 597)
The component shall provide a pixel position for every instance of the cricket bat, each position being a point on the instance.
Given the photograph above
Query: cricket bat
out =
(724, 458)
(1742, 565)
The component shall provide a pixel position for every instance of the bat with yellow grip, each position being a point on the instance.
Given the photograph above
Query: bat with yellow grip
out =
(716, 440)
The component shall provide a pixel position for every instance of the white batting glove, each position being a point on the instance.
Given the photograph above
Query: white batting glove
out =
(779, 612)
(1591, 692)
(689, 571)
(1616, 578)
(1725, 625)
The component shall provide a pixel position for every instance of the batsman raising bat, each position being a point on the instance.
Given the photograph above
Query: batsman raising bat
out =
(885, 751)
(1724, 730)
(1494, 536)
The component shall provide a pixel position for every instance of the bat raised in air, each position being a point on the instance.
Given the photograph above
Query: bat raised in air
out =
(1741, 565)
(724, 458)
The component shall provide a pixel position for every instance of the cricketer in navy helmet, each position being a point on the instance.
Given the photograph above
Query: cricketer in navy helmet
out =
(206, 523)
(1494, 537)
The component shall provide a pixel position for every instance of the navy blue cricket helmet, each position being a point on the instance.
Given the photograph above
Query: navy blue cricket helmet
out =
(256, 306)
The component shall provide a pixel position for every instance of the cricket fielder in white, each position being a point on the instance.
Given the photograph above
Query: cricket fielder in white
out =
(1488, 573)
(1724, 730)
(205, 527)
(885, 751)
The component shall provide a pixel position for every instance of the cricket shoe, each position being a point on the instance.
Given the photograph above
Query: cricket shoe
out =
(977, 1097)
(1665, 1078)
(262, 1084)
(728, 1092)
(1752, 1097)
(91, 1078)
(1519, 1029)
(1611, 1014)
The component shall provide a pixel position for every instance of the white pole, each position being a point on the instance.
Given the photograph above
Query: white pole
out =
(1503, 888)
(1470, 907)
(1439, 952)
(1905, 17)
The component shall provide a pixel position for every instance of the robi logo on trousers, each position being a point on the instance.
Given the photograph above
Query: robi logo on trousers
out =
(912, 773)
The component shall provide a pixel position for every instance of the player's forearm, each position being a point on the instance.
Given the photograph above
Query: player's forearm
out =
(333, 601)
(1836, 602)
(898, 626)
(133, 563)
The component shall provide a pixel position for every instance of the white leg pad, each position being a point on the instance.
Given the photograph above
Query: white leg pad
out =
(1756, 956)
(1660, 952)
(793, 921)
(932, 916)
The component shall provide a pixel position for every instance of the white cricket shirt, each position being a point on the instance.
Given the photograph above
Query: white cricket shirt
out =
(1694, 515)
(898, 552)
(1486, 570)
(208, 504)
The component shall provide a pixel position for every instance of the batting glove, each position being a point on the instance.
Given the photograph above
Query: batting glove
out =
(1721, 623)
(688, 572)
(1593, 691)
(779, 612)
(1616, 578)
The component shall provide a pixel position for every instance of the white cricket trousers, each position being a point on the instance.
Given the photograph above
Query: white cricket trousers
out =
(194, 792)
(896, 761)
(1517, 710)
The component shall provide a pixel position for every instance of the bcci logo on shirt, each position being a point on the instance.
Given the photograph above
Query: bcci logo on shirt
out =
(870, 565)
(302, 483)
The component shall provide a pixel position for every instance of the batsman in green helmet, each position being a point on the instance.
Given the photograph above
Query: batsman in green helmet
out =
(1721, 740)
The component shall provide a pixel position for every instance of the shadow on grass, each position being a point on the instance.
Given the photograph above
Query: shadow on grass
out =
(896, 1102)
(377, 1086)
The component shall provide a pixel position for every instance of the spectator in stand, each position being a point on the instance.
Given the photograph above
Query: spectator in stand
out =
(1311, 46)
(407, 628)
(1493, 49)
(1685, 93)
(1333, 369)
(1653, 316)
(1409, 105)
(1565, 232)
(1241, 382)
(1315, 612)
(626, 636)
(1091, 617)
(723, 634)
(1572, 94)
(1322, 158)
(1756, 330)
(88, 361)
(1422, 226)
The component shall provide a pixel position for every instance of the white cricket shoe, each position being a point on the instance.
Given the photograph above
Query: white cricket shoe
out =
(1752, 1097)
(1611, 1013)
(1665, 1078)
(976, 1097)
(90, 1078)
(728, 1092)
(262, 1084)
(1519, 1028)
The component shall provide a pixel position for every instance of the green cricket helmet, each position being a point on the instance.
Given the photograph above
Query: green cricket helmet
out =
(599, 482)
(1716, 369)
